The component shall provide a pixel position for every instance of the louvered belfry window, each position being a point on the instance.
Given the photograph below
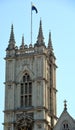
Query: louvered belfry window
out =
(26, 91)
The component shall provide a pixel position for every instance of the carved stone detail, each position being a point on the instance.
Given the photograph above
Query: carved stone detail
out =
(24, 121)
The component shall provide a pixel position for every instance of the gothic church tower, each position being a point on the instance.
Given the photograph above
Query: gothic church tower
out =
(30, 85)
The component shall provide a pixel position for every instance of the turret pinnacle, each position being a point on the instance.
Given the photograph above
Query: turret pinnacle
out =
(22, 40)
(40, 38)
(11, 44)
(50, 42)
(12, 40)
(22, 45)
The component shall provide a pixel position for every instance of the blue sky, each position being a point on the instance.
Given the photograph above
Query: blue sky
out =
(57, 16)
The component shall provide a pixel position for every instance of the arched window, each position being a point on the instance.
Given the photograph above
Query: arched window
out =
(65, 126)
(26, 91)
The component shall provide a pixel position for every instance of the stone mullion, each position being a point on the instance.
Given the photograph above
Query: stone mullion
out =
(24, 95)
(12, 127)
(27, 93)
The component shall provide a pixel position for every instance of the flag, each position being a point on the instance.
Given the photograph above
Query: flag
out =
(34, 8)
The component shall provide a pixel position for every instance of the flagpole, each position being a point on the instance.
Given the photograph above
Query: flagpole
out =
(31, 22)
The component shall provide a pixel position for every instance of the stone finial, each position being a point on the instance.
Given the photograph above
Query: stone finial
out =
(65, 105)
(50, 42)
(40, 38)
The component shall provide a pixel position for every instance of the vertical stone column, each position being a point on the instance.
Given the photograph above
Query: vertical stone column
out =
(12, 127)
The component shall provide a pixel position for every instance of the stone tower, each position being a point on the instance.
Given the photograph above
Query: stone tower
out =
(30, 85)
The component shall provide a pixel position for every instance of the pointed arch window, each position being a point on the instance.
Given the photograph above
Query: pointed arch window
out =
(26, 91)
